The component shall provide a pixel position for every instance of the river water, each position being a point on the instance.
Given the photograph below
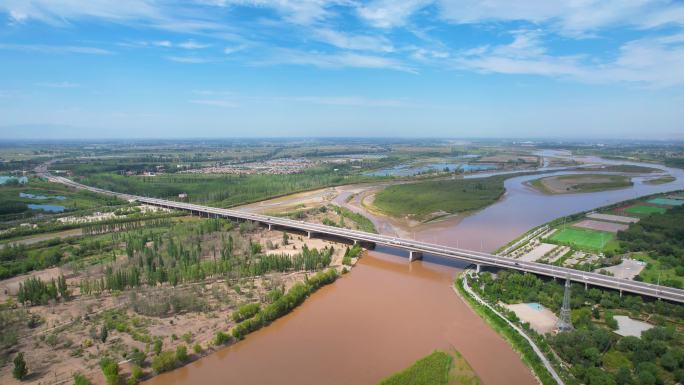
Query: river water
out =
(372, 322)
(522, 208)
(387, 313)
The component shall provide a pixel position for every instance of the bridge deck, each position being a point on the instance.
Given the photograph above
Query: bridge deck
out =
(589, 278)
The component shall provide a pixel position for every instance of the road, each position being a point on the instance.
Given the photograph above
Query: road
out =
(478, 258)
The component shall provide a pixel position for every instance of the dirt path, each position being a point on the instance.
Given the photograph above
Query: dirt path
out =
(44, 237)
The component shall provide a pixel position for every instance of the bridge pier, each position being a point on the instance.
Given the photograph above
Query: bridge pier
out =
(270, 227)
(415, 255)
(308, 234)
(477, 268)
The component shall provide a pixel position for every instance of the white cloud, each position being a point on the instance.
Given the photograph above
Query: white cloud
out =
(294, 11)
(191, 44)
(652, 62)
(232, 50)
(390, 13)
(572, 18)
(190, 59)
(353, 42)
(55, 49)
(171, 16)
(59, 12)
(336, 60)
(59, 85)
(216, 103)
(348, 101)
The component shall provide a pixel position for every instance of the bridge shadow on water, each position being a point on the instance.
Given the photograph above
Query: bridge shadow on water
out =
(427, 258)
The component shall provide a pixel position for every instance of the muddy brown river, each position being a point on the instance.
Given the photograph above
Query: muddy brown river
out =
(387, 313)
(372, 322)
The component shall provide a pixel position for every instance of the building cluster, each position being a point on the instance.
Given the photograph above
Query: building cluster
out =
(271, 167)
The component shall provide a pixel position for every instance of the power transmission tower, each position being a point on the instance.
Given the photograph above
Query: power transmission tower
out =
(565, 321)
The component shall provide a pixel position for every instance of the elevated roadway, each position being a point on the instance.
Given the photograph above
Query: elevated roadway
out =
(415, 248)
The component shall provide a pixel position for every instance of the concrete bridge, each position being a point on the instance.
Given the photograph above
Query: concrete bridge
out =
(416, 249)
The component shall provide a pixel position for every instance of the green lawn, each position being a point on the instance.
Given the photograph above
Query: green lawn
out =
(655, 272)
(426, 200)
(645, 210)
(430, 370)
(583, 238)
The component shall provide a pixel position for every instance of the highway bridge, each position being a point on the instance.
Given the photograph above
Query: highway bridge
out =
(416, 249)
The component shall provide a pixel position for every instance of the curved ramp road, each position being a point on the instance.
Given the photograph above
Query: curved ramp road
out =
(414, 247)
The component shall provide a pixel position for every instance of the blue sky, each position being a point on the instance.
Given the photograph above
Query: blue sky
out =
(444, 68)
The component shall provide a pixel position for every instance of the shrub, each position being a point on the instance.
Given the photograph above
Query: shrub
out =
(136, 374)
(221, 338)
(197, 348)
(245, 311)
(20, 369)
(181, 353)
(110, 369)
(164, 361)
(295, 296)
(158, 344)
(137, 357)
(80, 379)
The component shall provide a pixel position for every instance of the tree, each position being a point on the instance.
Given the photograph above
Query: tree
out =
(20, 369)
(104, 333)
(623, 376)
(646, 378)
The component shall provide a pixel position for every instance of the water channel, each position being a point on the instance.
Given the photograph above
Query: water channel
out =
(387, 313)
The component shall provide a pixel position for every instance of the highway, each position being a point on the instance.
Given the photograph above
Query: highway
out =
(478, 258)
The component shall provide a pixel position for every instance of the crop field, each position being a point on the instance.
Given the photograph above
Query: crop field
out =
(583, 238)
(645, 210)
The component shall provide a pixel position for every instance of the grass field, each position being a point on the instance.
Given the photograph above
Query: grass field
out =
(439, 368)
(580, 183)
(645, 210)
(656, 272)
(583, 238)
(426, 200)
(661, 180)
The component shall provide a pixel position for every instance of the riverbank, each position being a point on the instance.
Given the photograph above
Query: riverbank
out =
(172, 285)
(521, 342)
(372, 312)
